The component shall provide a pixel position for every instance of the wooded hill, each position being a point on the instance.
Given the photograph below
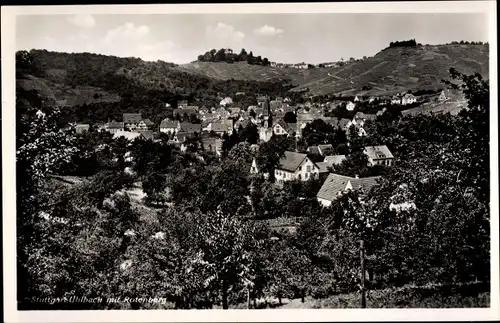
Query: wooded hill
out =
(99, 87)
(394, 69)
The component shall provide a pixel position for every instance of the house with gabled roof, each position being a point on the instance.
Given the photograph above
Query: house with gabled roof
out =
(335, 185)
(378, 155)
(283, 128)
(295, 166)
(395, 100)
(170, 126)
(145, 124)
(190, 127)
(149, 134)
(324, 167)
(131, 120)
(408, 98)
(218, 127)
(114, 126)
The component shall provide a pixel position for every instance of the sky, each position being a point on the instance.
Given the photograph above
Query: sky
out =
(285, 38)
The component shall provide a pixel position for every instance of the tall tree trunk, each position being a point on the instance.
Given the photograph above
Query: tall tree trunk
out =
(279, 299)
(224, 295)
(363, 272)
(248, 299)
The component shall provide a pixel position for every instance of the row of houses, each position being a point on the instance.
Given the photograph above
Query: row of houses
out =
(294, 165)
(299, 166)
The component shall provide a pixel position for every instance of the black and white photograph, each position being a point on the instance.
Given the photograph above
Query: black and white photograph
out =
(201, 159)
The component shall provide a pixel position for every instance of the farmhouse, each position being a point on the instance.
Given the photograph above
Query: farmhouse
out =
(217, 127)
(408, 98)
(131, 120)
(378, 155)
(114, 126)
(335, 185)
(167, 126)
(145, 124)
(395, 100)
(190, 128)
(295, 166)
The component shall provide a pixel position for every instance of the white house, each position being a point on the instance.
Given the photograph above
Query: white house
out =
(295, 166)
(356, 99)
(378, 155)
(396, 100)
(408, 98)
(283, 128)
(167, 126)
(350, 106)
(335, 185)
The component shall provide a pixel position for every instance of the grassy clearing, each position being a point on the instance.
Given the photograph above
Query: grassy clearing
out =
(408, 297)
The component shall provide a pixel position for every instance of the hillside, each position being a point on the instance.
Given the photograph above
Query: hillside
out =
(389, 71)
(98, 87)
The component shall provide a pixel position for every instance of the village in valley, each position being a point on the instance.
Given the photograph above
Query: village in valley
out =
(272, 118)
(234, 181)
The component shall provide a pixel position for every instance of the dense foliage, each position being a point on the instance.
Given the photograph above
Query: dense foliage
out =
(227, 55)
(202, 238)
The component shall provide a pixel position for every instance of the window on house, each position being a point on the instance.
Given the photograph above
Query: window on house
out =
(299, 177)
(306, 176)
(300, 168)
(308, 168)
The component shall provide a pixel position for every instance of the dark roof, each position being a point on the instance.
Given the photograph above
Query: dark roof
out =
(337, 183)
(289, 127)
(168, 124)
(323, 167)
(148, 134)
(291, 161)
(313, 150)
(190, 127)
(183, 111)
(325, 149)
(132, 117)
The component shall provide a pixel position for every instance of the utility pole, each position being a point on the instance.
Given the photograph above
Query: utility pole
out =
(363, 272)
